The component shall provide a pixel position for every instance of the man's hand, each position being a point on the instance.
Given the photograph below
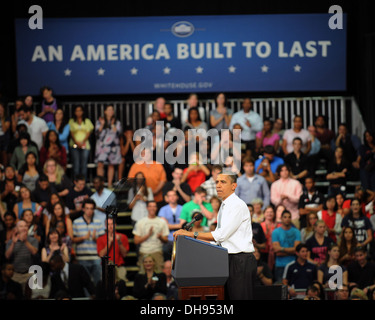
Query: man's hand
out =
(181, 232)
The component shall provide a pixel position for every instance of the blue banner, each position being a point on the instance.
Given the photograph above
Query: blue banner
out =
(235, 53)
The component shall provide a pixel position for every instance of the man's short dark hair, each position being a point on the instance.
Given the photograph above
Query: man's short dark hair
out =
(89, 201)
(200, 190)
(269, 149)
(79, 177)
(360, 249)
(285, 212)
(297, 139)
(300, 246)
(217, 167)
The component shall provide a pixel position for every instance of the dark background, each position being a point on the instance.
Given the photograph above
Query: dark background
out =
(360, 37)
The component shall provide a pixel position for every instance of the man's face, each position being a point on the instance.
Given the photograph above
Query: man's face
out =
(8, 271)
(98, 184)
(167, 268)
(80, 184)
(248, 168)
(177, 174)
(297, 145)
(88, 210)
(172, 197)
(22, 226)
(309, 184)
(152, 208)
(215, 173)
(110, 225)
(269, 156)
(224, 186)
(319, 122)
(43, 185)
(303, 253)
(360, 256)
(343, 294)
(284, 173)
(286, 219)
(246, 105)
(200, 196)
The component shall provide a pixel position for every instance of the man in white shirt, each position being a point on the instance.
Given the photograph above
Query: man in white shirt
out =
(233, 232)
(102, 197)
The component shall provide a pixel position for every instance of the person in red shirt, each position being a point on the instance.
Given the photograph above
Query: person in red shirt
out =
(332, 218)
(196, 173)
(121, 249)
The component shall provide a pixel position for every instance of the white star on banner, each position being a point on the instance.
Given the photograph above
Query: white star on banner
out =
(167, 70)
(134, 71)
(264, 68)
(297, 68)
(100, 72)
(67, 72)
(232, 69)
(199, 69)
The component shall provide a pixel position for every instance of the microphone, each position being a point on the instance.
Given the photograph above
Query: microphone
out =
(189, 225)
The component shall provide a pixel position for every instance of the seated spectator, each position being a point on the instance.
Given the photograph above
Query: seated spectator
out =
(102, 197)
(251, 185)
(215, 203)
(325, 136)
(197, 226)
(48, 209)
(366, 161)
(266, 137)
(361, 272)
(149, 281)
(364, 197)
(332, 263)
(150, 233)
(194, 121)
(268, 225)
(264, 273)
(9, 289)
(332, 218)
(171, 122)
(172, 289)
(361, 224)
(287, 191)
(171, 214)
(192, 102)
(300, 273)
(308, 231)
(86, 230)
(259, 238)
(348, 243)
(279, 128)
(338, 172)
(340, 200)
(22, 252)
(311, 200)
(296, 131)
(349, 143)
(111, 243)
(9, 188)
(65, 238)
(182, 188)
(33, 229)
(279, 209)
(18, 158)
(77, 195)
(25, 203)
(58, 214)
(268, 164)
(284, 241)
(57, 178)
(313, 157)
(30, 171)
(53, 149)
(342, 293)
(257, 215)
(210, 184)
(195, 174)
(312, 293)
(60, 125)
(297, 161)
(54, 245)
(138, 197)
(199, 204)
(8, 219)
(71, 278)
(318, 244)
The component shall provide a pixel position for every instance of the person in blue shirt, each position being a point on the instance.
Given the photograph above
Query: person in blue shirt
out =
(266, 166)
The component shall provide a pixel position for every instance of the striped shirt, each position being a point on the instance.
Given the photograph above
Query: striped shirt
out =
(87, 249)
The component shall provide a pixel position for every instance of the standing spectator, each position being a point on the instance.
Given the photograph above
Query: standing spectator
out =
(108, 151)
(279, 128)
(210, 184)
(340, 200)
(360, 223)
(251, 123)
(332, 218)
(318, 243)
(48, 208)
(86, 231)
(36, 127)
(267, 165)
(30, 172)
(127, 147)
(313, 156)
(220, 116)
(52, 148)
(150, 280)
(311, 200)
(153, 172)
(325, 136)
(58, 214)
(266, 137)
(332, 263)
(197, 204)
(77, 195)
(264, 273)
(182, 188)
(269, 225)
(287, 191)
(18, 157)
(54, 245)
(171, 214)
(81, 128)
(33, 229)
(361, 272)
(9, 289)
(348, 243)
(349, 143)
(60, 125)
(308, 231)
(121, 248)
(151, 233)
(138, 197)
(296, 131)
(102, 196)
(195, 174)
(25, 202)
(297, 161)
(49, 104)
(301, 273)
(9, 188)
(338, 172)
(171, 122)
(21, 251)
(58, 180)
(9, 221)
(194, 121)
(284, 241)
(251, 185)
(215, 203)
(366, 163)
(4, 134)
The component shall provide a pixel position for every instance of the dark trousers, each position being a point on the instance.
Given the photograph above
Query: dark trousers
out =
(242, 274)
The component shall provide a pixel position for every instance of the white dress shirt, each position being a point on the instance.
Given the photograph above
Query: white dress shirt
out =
(234, 231)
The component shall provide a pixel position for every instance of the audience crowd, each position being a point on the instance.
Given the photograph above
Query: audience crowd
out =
(317, 242)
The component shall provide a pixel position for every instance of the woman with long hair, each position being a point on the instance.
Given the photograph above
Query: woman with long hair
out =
(108, 131)
(25, 202)
(220, 117)
(60, 125)
(81, 128)
(54, 245)
(57, 178)
(348, 243)
(30, 172)
(33, 228)
(58, 214)
(338, 171)
(52, 148)
(268, 225)
(25, 146)
(266, 137)
(296, 131)
(332, 218)
(308, 231)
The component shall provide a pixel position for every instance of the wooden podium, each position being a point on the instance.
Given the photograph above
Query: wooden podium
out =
(200, 269)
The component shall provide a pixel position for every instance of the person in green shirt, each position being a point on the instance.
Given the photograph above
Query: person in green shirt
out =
(197, 204)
